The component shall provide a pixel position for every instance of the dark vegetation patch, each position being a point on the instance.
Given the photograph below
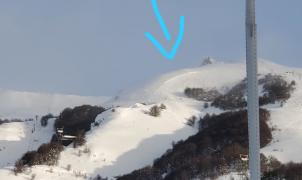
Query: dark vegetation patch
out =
(3, 121)
(99, 177)
(201, 94)
(233, 99)
(44, 119)
(78, 118)
(275, 89)
(47, 154)
(290, 171)
(214, 151)
(76, 121)
(232, 127)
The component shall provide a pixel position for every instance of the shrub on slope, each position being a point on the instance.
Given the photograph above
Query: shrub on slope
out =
(47, 154)
(156, 110)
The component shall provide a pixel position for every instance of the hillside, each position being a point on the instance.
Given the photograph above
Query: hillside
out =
(129, 138)
(18, 137)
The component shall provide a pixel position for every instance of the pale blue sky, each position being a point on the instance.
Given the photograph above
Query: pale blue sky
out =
(97, 47)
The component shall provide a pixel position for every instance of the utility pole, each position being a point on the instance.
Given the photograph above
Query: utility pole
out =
(253, 97)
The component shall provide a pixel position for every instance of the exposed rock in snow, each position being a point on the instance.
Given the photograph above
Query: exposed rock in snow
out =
(208, 61)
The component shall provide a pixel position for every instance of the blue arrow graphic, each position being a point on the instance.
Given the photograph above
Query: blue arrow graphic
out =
(169, 55)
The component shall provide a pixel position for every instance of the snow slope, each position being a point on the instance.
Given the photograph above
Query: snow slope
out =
(287, 143)
(17, 138)
(128, 138)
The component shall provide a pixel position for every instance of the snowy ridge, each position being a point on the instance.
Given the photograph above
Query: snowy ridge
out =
(15, 104)
(129, 139)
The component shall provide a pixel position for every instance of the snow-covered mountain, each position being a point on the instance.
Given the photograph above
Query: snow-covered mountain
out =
(128, 138)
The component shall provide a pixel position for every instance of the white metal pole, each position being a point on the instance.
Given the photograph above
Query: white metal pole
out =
(253, 98)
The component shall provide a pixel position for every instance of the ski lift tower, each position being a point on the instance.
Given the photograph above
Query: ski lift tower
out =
(252, 88)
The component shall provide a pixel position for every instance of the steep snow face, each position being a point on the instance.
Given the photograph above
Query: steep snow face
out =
(128, 138)
(16, 104)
